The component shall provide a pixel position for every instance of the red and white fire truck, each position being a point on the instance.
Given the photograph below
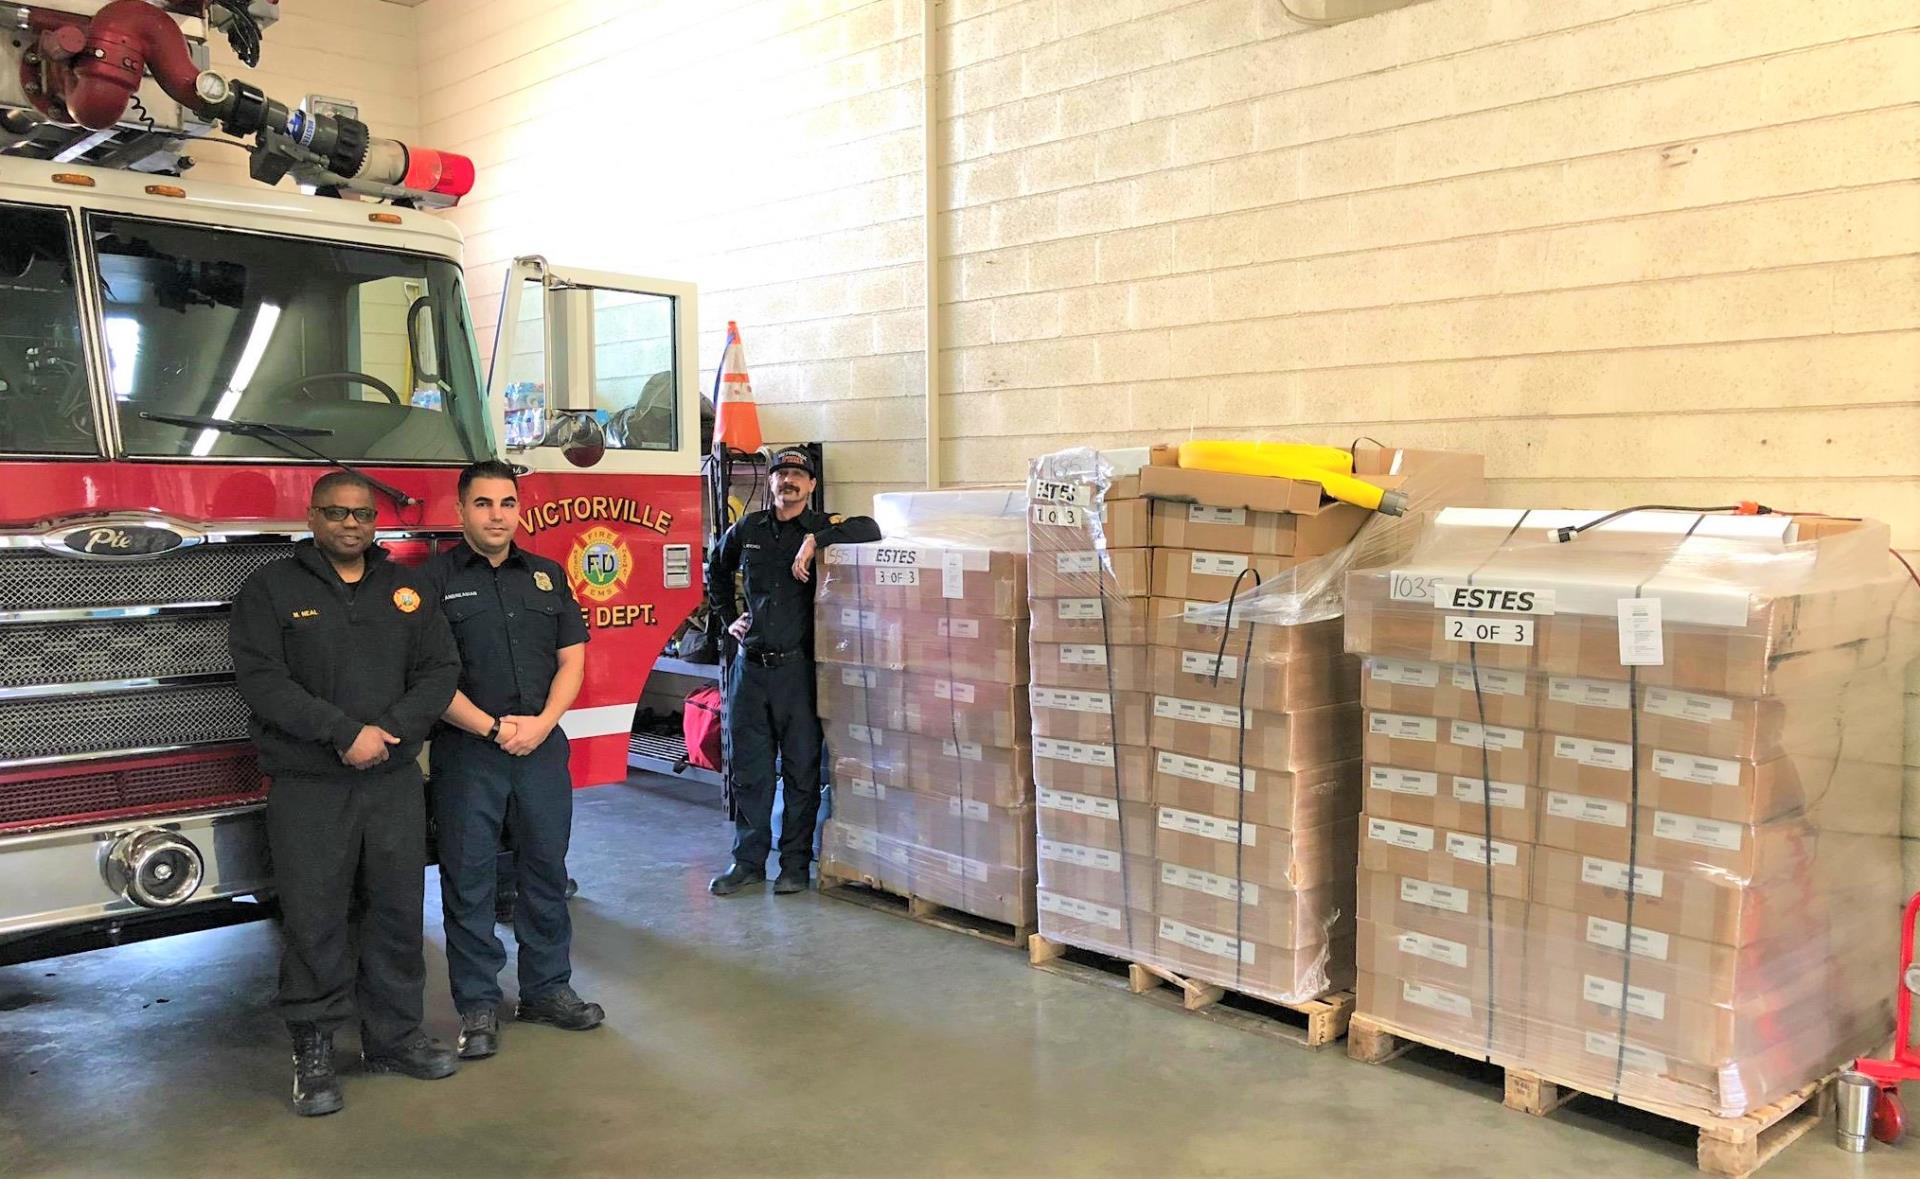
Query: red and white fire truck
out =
(180, 360)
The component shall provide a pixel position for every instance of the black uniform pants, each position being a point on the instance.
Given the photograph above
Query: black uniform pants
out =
(473, 781)
(349, 864)
(769, 710)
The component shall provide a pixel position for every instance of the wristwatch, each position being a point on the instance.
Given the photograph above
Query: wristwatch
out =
(493, 734)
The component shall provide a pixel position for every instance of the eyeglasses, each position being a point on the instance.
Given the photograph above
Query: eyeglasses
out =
(337, 514)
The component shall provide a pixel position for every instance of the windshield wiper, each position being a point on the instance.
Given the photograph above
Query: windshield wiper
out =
(284, 439)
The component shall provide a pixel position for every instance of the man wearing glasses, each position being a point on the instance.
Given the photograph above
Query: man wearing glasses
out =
(346, 662)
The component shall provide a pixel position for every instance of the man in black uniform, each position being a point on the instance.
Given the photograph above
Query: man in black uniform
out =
(523, 651)
(346, 663)
(770, 695)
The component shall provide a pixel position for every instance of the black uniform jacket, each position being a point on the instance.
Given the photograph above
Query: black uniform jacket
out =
(510, 622)
(317, 659)
(765, 546)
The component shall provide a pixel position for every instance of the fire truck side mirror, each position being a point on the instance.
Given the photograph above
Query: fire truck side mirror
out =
(579, 435)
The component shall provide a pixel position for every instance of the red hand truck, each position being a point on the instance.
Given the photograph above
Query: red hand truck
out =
(1889, 1119)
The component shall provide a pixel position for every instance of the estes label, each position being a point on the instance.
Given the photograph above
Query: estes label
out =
(1492, 599)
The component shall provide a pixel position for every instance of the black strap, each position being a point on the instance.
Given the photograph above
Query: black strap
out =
(1240, 763)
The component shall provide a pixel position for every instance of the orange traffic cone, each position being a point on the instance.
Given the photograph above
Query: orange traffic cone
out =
(736, 422)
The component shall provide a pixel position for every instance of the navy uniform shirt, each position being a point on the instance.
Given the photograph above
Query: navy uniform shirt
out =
(764, 546)
(510, 623)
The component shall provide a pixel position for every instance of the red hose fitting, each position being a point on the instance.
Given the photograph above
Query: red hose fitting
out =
(124, 40)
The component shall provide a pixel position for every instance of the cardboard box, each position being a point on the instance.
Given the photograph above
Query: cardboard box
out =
(1701, 659)
(1058, 527)
(1268, 740)
(1271, 798)
(1460, 747)
(1446, 690)
(881, 754)
(875, 806)
(1669, 1023)
(1199, 576)
(1091, 573)
(1452, 1019)
(1185, 625)
(1440, 856)
(1457, 911)
(1099, 718)
(975, 831)
(968, 647)
(1675, 843)
(1228, 530)
(1704, 906)
(1457, 803)
(1725, 789)
(1108, 929)
(984, 773)
(1265, 855)
(891, 575)
(1705, 971)
(863, 695)
(1097, 874)
(1106, 771)
(1257, 913)
(981, 711)
(1462, 967)
(1093, 665)
(1281, 685)
(1416, 631)
(1283, 974)
(1087, 821)
(1113, 620)
(1461, 475)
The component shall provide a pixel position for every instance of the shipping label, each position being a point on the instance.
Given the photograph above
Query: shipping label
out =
(859, 677)
(1688, 706)
(1075, 752)
(1404, 672)
(953, 690)
(1209, 663)
(1218, 564)
(1475, 850)
(1492, 599)
(1077, 609)
(1060, 491)
(1640, 1060)
(967, 808)
(1071, 700)
(1415, 782)
(1206, 941)
(1077, 804)
(1507, 632)
(1640, 1000)
(1083, 654)
(1434, 949)
(1702, 832)
(1071, 564)
(1097, 858)
(1648, 882)
(1224, 716)
(1706, 771)
(1199, 769)
(1074, 909)
(1647, 943)
(1503, 794)
(1406, 835)
(1599, 755)
(1485, 736)
(1224, 887)
(959, 628)
(963, 750)
(1207, 826)
(1052, 515)
(1493, 681)
(1436, 999)
(1434, 896)
(1590, 693)
(1203, 514)
(867, 734)
(1582, 809)
(1403, 728)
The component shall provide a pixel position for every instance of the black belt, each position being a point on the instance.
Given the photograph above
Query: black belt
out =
(774, 658)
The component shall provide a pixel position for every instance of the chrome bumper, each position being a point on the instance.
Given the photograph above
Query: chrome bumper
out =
(63, 877)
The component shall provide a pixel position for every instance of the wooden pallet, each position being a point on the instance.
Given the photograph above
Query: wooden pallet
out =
(869, 893)
(1312, 1024)
(1733, 1147)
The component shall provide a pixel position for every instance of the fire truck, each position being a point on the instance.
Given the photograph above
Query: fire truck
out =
(180, 360)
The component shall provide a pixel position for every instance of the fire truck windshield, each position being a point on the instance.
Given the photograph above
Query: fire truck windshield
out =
(373, 347)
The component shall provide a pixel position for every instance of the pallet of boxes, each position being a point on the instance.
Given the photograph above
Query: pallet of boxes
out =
(921, 642)
(1196, 768)
(1631, 809)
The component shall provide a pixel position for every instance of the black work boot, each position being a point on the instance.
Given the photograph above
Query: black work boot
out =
(418, 1057)
(316, 1088)
(561, 1008)
(736, 877)
(793, 878)
(479, 1034)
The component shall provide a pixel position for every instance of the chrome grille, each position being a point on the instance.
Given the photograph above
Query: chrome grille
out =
(33, 579)
(84, 652)
(134, 720)
(151, 789)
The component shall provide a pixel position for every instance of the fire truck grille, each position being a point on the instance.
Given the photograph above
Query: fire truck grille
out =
(34, 580)
(134, 720)
(145, 790)
(84, 652)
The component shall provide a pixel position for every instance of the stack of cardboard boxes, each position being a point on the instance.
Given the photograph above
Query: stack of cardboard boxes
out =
(922, 679)
(1197, 774)
(1631, 800)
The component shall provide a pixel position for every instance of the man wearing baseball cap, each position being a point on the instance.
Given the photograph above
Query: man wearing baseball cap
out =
(770, 693)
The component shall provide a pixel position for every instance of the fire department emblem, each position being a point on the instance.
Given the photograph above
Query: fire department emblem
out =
(406, 600)
(542, 582)
(599, 564)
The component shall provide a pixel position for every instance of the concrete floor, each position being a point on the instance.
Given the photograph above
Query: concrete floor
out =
(793, 1036)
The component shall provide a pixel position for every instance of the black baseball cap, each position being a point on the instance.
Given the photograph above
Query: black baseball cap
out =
(794, 460)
